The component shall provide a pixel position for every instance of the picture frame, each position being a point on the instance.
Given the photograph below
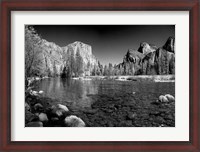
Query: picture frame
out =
(86, 5)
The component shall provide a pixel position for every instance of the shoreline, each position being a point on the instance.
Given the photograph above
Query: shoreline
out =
(154, 78)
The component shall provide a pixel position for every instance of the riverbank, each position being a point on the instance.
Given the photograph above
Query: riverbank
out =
(153, 78)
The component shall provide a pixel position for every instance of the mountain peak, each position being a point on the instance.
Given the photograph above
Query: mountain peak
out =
(170, 44)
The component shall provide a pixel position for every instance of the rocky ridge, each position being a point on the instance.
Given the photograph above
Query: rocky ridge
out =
(150, 60)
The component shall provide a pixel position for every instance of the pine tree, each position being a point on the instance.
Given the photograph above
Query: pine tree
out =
(79, 63)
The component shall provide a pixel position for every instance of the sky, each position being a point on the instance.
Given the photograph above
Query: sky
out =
(109, 42)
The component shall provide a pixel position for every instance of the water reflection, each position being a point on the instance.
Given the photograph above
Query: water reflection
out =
(80, 93)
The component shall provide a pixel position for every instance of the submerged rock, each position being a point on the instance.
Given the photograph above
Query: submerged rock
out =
(27, 107)
(40, 92)
(34, 124)
(30, 117)
(74, 121)
(38, 107)
(59, 110)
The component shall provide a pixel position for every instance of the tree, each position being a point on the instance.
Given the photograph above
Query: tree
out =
(110, 69)
(33, 49)
(55, 71)
(105, 70)
(94, 71)
(79, 63)
(70, 62)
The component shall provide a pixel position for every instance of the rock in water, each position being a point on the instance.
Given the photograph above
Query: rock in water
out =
(63, 107)
(74, 121)
(43, 117)
(30, 117)
(170, 98)
(27, 107)
(38, 107)
(40, 92)
(59, 110)
(34, 124)
(163, 99)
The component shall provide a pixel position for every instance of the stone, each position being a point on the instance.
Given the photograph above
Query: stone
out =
(40, 92)
(37, 78)
(34, 124)
(63, 107)
(74, 121)
(27, 107)
(30, 117)
(163, 99)
(38, 107)
(54, 119)
(59, 110)
(34, 93)
(131, 115)
(170, 98)
(43, 117)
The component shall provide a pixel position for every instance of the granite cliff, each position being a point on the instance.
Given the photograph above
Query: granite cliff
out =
(45, 58)
(150, 60)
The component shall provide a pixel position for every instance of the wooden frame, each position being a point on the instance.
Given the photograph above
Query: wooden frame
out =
(123, 5)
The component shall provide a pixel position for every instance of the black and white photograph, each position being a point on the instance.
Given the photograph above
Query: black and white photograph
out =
(99, 75)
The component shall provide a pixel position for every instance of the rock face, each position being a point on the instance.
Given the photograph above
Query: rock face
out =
(150, 60)
(89, 60)
(170, 45)
(53, 57)
(45, 58)
(146, 48)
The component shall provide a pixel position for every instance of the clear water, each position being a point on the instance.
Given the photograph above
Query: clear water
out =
(81, 93)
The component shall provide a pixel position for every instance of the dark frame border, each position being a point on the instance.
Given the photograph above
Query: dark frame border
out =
(88, 5)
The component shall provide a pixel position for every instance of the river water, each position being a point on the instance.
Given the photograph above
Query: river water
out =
(112, 101)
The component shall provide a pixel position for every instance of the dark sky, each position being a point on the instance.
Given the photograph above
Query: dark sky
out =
(109, 42)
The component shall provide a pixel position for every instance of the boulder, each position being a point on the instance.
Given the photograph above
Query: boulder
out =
(34, 124)
(170, 98)
(40, 92)
(74, 121)
(27, 107)
(59, 110)
(30, 117)
(163, 99)
(38, 107)
(43, 117)
(33, 93)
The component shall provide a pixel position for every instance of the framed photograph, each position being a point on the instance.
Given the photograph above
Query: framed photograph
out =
(99, 75)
